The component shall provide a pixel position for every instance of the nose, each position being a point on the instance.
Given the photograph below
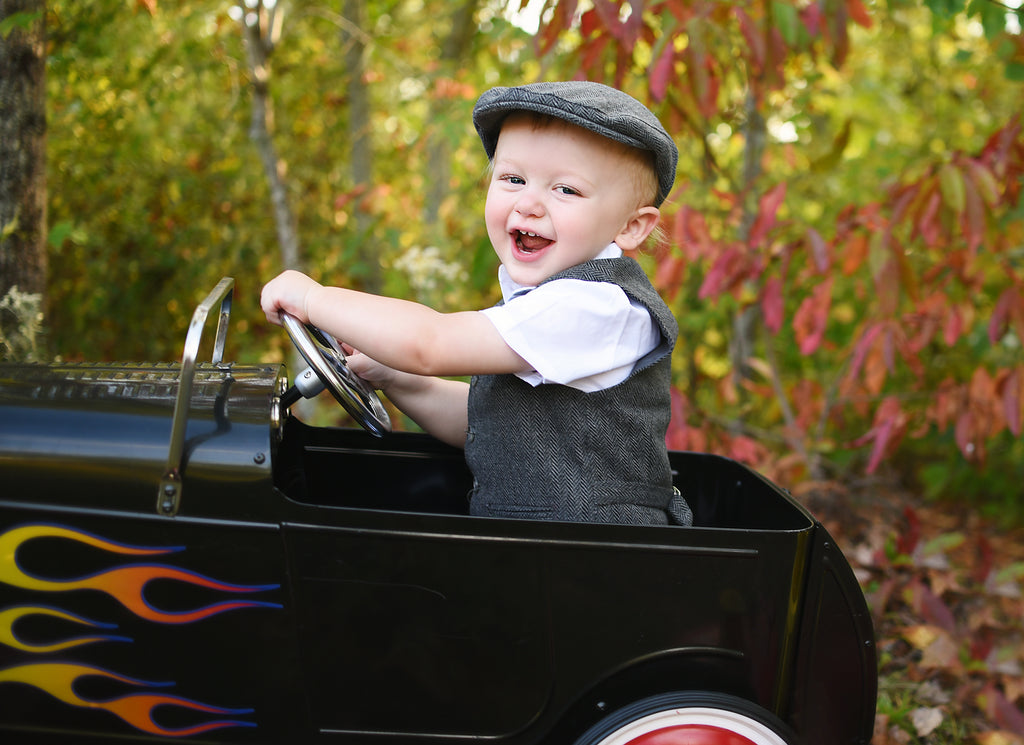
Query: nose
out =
(529, 204)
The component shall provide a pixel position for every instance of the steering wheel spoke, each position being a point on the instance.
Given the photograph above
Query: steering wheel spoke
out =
(327, 361)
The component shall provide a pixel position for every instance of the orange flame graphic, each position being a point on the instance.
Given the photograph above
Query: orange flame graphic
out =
(58, 679)
(126, 584)
(10, 616)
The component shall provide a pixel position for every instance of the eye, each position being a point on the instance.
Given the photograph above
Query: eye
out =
(567, 191)
(511, 178)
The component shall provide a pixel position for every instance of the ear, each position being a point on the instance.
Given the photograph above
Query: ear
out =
(637, 228)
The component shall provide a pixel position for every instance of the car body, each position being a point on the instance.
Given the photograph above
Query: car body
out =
(182, 559)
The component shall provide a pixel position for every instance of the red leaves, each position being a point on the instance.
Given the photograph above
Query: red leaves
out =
(885, 434)
(627, 31)
(992, 701)
(933, 610)
(998, 152)
(700, 69)
(1010, 389)
(754, 38)
(1009, 312)
(690, 233)
(735, 264)
(910, 279)
(929, 226)
(727, 272)
(953, 328)
(966, 189)
(772, 304)
(663, 73)
(819, 251)
(767, 214)
(811, 318)
(682, 435)
(561, 21)
(963, 192)
(981, 414)
(874, 355)
(858, 13)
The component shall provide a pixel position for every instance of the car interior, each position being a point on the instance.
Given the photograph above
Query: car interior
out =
(413, 472)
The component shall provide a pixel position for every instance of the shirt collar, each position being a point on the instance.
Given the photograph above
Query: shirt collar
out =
(510, 288)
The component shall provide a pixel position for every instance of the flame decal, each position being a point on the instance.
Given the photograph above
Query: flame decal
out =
(58, 679)
(126, 584)
(10, 616)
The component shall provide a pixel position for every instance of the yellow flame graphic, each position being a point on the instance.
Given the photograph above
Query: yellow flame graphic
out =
(10, 616)
(126, 584)
(58, 679)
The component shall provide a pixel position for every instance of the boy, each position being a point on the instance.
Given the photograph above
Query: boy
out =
(566, 413)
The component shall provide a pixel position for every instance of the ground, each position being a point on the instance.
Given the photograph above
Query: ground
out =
(945, 590)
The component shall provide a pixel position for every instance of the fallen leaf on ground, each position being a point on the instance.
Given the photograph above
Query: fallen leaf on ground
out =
(938, 648)
(998, 738)
(926, 720)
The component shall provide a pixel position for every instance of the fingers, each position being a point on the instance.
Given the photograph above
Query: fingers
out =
(373, 372)
(286, 292)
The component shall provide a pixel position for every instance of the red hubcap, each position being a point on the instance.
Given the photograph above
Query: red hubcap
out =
(691, 734)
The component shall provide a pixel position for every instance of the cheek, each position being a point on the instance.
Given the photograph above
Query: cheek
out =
(494, 212)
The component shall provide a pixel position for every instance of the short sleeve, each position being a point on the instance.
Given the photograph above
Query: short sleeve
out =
(574, 332)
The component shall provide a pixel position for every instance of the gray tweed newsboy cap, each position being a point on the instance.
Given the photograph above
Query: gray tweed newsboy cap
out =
(599, 108)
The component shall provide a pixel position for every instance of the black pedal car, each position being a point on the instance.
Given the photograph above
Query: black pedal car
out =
(182, 560)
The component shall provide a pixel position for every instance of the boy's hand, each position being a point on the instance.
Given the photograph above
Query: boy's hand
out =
(289, 291)
(373, 372)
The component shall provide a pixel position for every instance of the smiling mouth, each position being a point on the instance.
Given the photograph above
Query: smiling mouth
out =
(528, 242)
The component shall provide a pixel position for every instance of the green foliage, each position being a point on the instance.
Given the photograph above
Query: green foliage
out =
(157, 190)
(996, 495)
(22, 20)
(150, 187)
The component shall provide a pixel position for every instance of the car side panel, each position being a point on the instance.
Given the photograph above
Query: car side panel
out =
(422, 633)
(452, 626)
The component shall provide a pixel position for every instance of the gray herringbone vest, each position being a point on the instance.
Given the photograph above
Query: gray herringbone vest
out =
(554, 452)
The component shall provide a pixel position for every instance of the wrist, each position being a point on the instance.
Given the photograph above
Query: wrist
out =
(400, 383)
(310, 302)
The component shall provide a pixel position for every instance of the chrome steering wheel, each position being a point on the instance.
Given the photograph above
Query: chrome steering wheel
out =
(329, 369)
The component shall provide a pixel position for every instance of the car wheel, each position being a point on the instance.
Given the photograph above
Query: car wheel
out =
(688, 719)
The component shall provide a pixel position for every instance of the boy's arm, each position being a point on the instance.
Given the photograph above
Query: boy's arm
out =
(438, 405)
(403, 347)
(400, 334)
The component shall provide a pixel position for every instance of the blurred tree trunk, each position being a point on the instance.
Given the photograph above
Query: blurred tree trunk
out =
(454, 52)
(262, 27)
(22, 146)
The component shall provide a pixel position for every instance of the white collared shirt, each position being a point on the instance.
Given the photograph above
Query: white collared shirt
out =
(586, 335)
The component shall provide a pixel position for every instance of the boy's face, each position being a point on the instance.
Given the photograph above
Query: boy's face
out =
(559, 194)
